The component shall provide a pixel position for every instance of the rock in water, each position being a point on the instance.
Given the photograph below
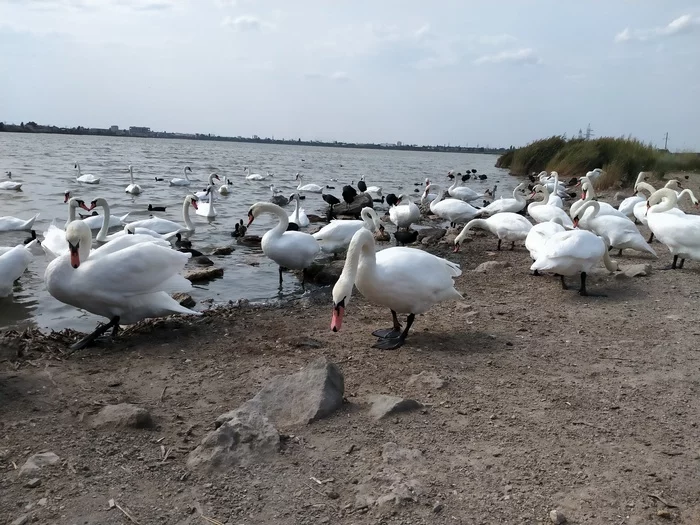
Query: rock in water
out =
(123, 415)
(363, 200)
(38, 461)
(383, 406)
(224, 250)
(204, 274)
(298, 399)
(246, 437)
(184, 299)
(324, 274)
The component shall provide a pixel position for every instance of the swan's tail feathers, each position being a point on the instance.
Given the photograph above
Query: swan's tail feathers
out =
(649, 249)
(453, 268)
(30, 246)
(123, 218)
(176, 283)
(50, 255)
(30, 223)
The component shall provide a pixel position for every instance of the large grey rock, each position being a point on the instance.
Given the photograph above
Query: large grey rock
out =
(246, 437)
(300, 398)
(37, 462)
(362, 200)
(489, 266)
(203, 274)
(384, 406)
(123, 415)
(324, 273)
(427, 236)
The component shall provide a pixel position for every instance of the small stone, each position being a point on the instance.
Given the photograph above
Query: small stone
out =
(437, 508)
(22, 520)
(430, 379)
(203, 274)
(121, 416)
(557, 517)
(350, 449)
(42, 502)
(489, 266)
(635, 270)
(37, 462)
(663, 513)
(184, 299)
(383, 405)
(33, 483)
(224, 250)
(332, 494)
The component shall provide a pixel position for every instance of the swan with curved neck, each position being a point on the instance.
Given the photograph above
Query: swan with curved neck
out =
(289, 249)
(507, 226)
(298, 216)
(125, 286)
(405, 280)
(87, 178)
(454, 210)
(516, 204)
(335, 237)
(543, 211)
(618, 232)
(182, 182)
(309, 188)
(132, 188)
(463, 193)
(679, 232)
(206, 209)
(588, 195)
(162, 226)
(403, 215)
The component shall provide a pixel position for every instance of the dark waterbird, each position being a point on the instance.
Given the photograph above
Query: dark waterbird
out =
(239, 229)
(182, 243)
(349, 194)
(330, 199)
(158, 179)
(362, 186)
(155, 208)
(32, 238)
(406, 237)
(392, 199)
(482, 177)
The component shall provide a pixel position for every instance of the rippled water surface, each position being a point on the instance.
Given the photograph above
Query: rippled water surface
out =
(44, 164)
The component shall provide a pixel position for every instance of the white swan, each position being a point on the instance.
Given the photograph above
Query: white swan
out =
(225, 188)
(463, 193)
(454, 210)
(95, 222)
(161, 226)
(626, 207)
(255, 176)
(336, 236)
(405, 280)
(202, 195)
(374, 191)
(588, 195)
(206, 209)
(557, 190)
(140, 231)
(593, 175)
(680, 233)
(427, 198)
(182, 182)
(107, 221)
(298, 216)
(544, 211)
(507, 226)
(87, 178)
(132, 188)
(8, 223)
(9, 184)
(539, 234)
(308, 188)
(403, 215)
(13, 263)
(516, 204)
(573, 252)
(640, 209)
(619, 233)
(124, 286)
(54, 242)
(289, 249)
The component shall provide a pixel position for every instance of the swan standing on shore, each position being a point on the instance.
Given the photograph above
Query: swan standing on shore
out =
(182, 182)
(403, 215)
(9, 184)
(87, 178)
(289, 249)
(626, 207)
(463, 193)
(516, 204)
(539, 234)
(125, 286)
(132, 188)
(335, 237)
(680, 233)
(13, 264)
(507, 226)
(405, 280)
(308, 188)
(454, 210)
(588, 195)
(162, 226)
(544, 210)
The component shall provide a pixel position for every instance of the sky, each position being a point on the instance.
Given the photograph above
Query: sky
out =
(459, 72)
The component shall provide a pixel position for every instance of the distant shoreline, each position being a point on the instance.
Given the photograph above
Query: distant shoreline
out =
(100, 132)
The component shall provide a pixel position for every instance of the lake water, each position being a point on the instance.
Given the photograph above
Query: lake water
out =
(44, 164)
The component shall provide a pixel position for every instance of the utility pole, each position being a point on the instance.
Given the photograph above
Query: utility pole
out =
(589, 132)
(666, 141)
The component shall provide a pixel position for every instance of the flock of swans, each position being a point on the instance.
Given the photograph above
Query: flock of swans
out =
(130, 274)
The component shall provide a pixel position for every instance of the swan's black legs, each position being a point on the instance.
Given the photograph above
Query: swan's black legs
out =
(563, 283)
(280, 277)
(499, 245)
(392, 344)
(90, 338)
(619, 254)
(512, 246)
(651, 238)
(303, 279)
(389, 333)
(680, 266)
(582, 291)
(536, 273)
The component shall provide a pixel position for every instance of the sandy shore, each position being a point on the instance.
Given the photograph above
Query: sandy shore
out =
(550, 401)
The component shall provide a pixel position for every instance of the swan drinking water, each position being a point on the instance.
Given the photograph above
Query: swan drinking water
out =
(289, 249)
(125, 286)
(132, 188)
(87, 178)
(405, 280)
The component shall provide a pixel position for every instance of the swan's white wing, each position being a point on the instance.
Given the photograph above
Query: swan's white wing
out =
(55, 240)
(125, 241)
(12, 265)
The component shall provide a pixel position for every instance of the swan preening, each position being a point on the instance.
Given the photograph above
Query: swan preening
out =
(405, 280)
(124, 282)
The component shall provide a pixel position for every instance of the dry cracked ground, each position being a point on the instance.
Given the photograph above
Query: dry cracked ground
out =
(532, 399)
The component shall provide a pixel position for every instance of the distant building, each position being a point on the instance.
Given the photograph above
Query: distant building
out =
(399, 143)
(114, 129)
(139, 131)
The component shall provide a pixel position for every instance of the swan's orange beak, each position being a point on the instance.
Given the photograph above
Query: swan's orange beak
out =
(456, 248)
(93, 205)
(74, 255)
(83, 206)
(251, 218)
(194, 205)
(337, 319)
(66, 196)
(583, 195)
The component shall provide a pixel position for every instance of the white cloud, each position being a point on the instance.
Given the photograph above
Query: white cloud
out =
(246, 23)
(496, 40)
(340, 76)
(681, 25)
(514, 56)
(94, 5)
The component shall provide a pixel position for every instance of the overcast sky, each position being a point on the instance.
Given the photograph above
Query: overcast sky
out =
(461, 72)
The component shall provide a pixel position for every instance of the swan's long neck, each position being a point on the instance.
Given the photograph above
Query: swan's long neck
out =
(440, 195)
(589, 204)
(186, 214)
(184, 170)
(85, 245)
(455, 184)
(131, 174)
(370, 218)
(474, 223)
(211, 195)
(518, 196)
(296, 209)
(278, 212)
(687, 192)
(78, 165)
(360, 252)
(72, 205)
(556, 182)
(644, 186)
(102, 234)
(545, 194)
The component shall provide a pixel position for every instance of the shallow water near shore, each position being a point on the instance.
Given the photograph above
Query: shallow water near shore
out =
(44, 164)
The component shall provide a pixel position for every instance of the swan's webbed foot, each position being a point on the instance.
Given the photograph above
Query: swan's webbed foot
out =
(389, 343)
(674, 264)
(100, 330)
(583, 292)
(389, 333)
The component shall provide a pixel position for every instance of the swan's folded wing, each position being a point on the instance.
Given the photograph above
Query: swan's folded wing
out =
(125, 241)
(139, 269)
(574, 243)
